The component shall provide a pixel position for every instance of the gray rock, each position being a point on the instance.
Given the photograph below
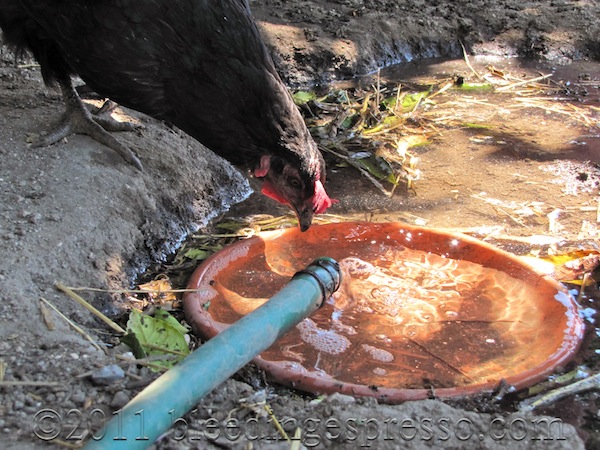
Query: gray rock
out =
(108, 375)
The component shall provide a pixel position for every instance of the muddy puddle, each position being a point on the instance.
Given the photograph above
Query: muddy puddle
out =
(527, 163)
(527, 167)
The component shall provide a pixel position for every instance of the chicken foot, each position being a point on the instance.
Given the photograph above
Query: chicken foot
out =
(78, 120)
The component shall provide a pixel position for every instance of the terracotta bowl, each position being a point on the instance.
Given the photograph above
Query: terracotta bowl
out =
(420, 312)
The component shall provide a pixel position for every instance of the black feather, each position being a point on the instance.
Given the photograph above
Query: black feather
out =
(198, 64)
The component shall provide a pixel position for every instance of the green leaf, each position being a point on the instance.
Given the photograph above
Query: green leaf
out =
(348, 121)
(389, 102)
(410, 100)
(161, 335)
(476, 125)
(374, 166)
(233, 225)
(134, 344)
(197, 254)
(163, 315)
(303, 97)
(484, 87)
(337, 96)
(388, 123)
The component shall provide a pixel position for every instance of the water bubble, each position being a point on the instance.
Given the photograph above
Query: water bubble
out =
(336, 315)
(378, 354)
(327, 341)
(357, 268)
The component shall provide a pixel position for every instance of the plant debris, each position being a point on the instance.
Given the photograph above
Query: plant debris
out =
(378, 129)
(160, 335)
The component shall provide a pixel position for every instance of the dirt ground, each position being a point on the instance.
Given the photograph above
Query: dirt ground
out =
(75, 213)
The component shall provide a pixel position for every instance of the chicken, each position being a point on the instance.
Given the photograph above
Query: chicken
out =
(199, 64)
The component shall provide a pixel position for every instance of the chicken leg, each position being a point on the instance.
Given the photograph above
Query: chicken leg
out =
(77, 119)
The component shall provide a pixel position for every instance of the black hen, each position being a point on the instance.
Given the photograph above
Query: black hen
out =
(199, 64)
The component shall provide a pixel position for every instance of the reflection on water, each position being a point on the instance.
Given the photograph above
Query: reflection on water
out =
(404, 317)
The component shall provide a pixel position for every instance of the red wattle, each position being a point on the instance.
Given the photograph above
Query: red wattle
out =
(268, 190)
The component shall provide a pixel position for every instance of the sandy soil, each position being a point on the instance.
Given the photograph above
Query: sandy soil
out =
(75, 213)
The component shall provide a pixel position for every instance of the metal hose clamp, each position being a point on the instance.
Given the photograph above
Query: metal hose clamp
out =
(326, 271)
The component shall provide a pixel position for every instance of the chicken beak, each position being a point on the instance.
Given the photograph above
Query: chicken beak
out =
(304, 218)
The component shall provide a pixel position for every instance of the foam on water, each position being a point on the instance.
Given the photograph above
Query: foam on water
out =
(327, 341)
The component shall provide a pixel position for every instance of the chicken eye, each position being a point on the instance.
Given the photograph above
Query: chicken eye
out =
(294, 182)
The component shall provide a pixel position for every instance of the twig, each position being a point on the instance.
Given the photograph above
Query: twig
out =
(522, 83)
(149, 361)
(555, 395)
(276, 423)
(378, 93)
(357, 166)
(142, 291)
(163, 349)
(73, 445)
(466, 57)
(47, 316)
(441, 90)
(584, 283)
(297, 440)
(146, 360)
(398, 95)
(89, 307)
(73, 324)
(10, 383)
